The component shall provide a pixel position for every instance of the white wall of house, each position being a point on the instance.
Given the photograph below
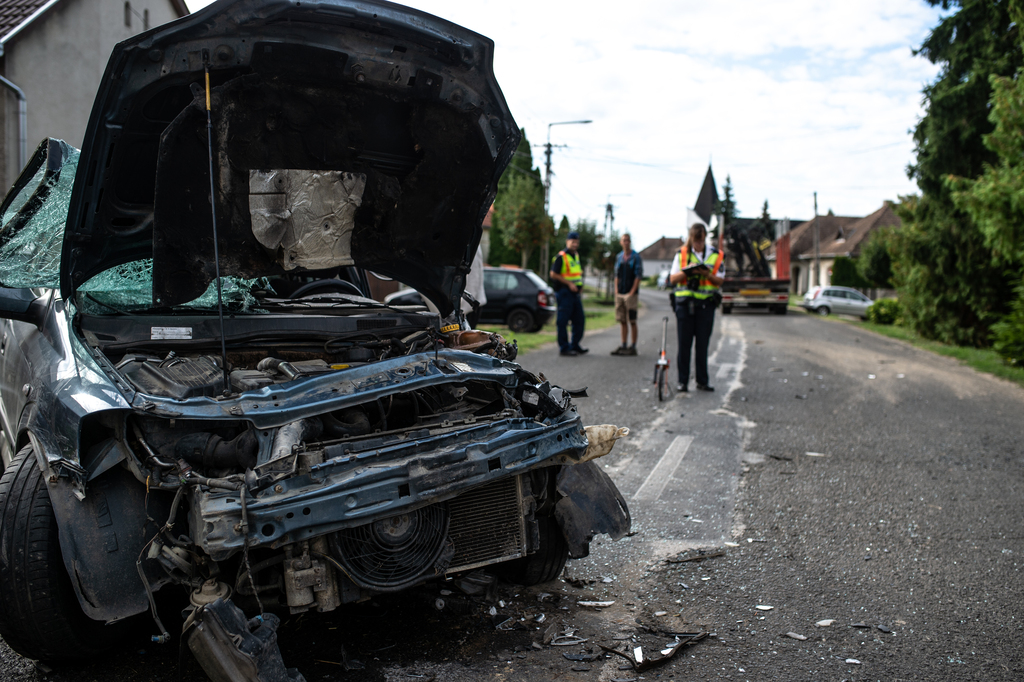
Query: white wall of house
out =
(59, 60)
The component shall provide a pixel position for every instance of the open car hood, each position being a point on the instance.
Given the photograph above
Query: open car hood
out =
(345, 132)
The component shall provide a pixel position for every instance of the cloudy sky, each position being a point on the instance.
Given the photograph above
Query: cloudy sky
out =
(787, 98)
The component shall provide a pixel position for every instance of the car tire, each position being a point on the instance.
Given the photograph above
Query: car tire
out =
(727, 310)
(40, 616)
(546, 563)
(520, 320)
(822, 310)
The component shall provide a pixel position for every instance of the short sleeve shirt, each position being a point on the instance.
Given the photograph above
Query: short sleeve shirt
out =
(628, 270)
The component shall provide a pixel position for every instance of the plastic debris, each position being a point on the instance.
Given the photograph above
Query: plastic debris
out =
(764, 607)
(606, 580)
(871, 376)
(853, 661)
(900, 376)
(732, 544)
(638, 655)
(825, 623)
(439, 604)
(805, 374)
(882, 628)
(860, 625)
(540, 618)
(595, 604)
(815, 454)
(793, 635)
(658, 614)
(493, 611)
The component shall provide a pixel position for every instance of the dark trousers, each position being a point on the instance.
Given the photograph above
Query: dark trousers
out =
(570, 310)
(689, 326)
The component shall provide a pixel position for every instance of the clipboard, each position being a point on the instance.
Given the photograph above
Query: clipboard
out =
(696, 269)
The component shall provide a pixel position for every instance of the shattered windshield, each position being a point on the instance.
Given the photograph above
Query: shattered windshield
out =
(32, 232)
(129, 288)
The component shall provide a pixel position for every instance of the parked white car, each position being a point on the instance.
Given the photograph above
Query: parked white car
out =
(839, 300)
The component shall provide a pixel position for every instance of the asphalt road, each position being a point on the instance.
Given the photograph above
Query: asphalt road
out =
(846, 477)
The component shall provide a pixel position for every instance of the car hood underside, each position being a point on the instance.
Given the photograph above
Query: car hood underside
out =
(344, 133)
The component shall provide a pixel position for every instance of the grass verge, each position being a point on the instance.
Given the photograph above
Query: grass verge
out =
(600, 315)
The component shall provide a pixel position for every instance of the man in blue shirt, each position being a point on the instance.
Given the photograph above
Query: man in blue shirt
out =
(629, 270)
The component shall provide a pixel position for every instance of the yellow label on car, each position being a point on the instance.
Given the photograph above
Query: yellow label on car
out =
(754, 292)
(449, 328)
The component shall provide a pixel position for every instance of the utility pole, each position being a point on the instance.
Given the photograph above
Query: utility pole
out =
(817, 240)
(544, 252)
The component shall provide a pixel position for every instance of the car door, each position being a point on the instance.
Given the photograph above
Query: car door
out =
(859, 303)
(31, 238)
(497, 285)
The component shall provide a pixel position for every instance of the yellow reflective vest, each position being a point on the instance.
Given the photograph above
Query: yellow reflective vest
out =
(705, 289)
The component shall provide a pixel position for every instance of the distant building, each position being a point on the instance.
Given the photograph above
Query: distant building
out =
(658, 256)
(56, 51)
(837, 236)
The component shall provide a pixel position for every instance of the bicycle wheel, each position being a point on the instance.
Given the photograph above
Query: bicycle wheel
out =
(662, 390)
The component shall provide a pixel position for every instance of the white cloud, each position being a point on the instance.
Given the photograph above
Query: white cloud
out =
(787, 98)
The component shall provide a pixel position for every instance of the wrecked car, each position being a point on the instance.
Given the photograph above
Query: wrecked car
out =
(198, 389)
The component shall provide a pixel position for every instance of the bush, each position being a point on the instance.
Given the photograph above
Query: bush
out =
(885, 311)
(1008, 333)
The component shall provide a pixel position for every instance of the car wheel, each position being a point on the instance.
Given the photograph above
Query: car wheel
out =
(822, 310)
(40, 616)
(546, 563)
(727, 310)
(520, 320)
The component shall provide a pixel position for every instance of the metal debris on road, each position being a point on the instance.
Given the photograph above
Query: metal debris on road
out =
(859, 625)
(853, 661)
(764, 607)
(540, 618)
(695, 555)
(871, 376)
(825, 623)
(595, 604)
(582, 657)
(793, 635)
(815, 454)
(658, 614)
(640, 663)
(567, 640)
(882, 628)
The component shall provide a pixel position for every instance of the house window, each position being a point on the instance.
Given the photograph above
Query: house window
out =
(128, 14)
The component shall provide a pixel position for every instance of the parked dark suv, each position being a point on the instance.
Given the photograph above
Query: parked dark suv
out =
(515, 297)
(173, 422)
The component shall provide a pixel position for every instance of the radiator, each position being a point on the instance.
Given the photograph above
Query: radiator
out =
(487, 525)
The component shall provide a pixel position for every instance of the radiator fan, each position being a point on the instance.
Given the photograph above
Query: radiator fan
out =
(393, 553)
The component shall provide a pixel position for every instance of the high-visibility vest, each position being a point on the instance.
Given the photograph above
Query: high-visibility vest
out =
(706, 288)
(572, 271)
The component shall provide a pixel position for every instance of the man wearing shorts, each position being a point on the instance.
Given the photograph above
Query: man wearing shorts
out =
(629, 270)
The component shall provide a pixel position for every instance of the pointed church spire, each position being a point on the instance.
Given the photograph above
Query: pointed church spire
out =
(707, 198)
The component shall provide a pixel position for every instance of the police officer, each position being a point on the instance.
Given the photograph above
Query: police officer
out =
(698, 267)
(567, 280)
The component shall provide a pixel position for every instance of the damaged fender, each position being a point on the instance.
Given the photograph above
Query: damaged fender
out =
(591, 504)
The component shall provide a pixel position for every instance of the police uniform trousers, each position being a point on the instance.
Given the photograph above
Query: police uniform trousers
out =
(570, 310)
(690, 327)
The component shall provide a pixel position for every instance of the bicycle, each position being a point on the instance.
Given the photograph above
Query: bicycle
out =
(661, 366)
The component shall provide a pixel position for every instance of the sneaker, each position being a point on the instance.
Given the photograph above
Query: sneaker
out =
(568, 353)
(703, 387)
(681, 388)
(630, 351)
(621, 350)
(580, 350)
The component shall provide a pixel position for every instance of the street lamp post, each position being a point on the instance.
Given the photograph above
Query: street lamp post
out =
(544, 254)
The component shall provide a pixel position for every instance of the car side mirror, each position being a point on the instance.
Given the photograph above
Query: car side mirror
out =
(22, 305)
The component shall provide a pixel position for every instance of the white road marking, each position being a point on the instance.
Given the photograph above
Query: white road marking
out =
(663, 470)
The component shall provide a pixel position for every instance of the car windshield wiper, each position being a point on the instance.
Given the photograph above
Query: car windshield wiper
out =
(316, 303)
